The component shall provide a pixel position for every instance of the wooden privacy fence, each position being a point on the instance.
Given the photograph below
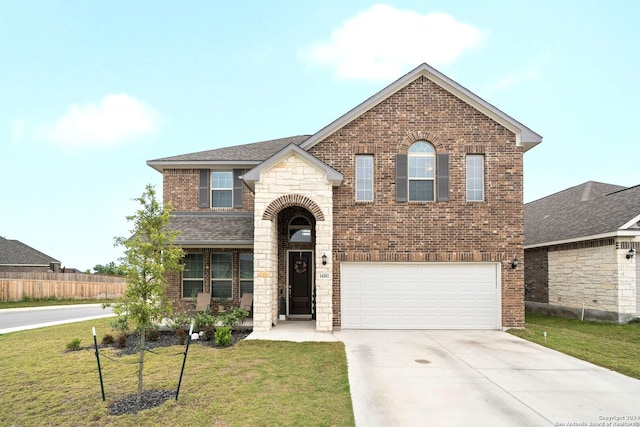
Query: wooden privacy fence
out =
(17, 286)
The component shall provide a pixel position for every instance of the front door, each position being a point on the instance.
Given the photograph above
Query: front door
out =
(300, 274)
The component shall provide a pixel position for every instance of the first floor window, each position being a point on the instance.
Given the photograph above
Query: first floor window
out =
(221, 274)
(475, 178)
(192, 275)
(364, 178)
(246, 273)
(222, 189)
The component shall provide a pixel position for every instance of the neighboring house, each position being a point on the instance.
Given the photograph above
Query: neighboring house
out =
(580, 252)
(404, 213)
(16, 256)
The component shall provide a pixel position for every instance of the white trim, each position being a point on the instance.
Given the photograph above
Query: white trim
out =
(618, 233)
(630, 223)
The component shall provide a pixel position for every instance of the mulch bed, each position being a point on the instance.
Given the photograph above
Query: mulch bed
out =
(153, 398)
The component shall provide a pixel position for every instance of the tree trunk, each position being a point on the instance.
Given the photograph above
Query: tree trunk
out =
(141, 364)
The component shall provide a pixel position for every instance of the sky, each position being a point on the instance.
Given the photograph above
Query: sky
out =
(89, 91)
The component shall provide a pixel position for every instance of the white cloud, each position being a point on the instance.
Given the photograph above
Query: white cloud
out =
(115, 118)
(528, 73)
(383, 42)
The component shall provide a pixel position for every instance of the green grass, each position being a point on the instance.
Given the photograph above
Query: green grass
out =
(255, 383)
(612, 346)
(32, 302)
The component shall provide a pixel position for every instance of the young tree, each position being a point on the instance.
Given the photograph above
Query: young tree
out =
(148, 254)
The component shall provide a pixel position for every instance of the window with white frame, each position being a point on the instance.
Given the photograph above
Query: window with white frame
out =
(475, 177)
(221, 274)
(222, 189)
(422, 171)
(192, 275)
(246, 273)
(364, 178)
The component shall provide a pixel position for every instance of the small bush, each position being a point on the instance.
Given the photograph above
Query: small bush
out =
(233, 318)
(203, 320)
(107, 339)
(153, 334)
(182, 336)
(209, 333)
(223, 336)
(121, 341)
(74, 344)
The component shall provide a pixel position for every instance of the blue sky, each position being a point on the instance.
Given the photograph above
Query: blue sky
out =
(89, 91)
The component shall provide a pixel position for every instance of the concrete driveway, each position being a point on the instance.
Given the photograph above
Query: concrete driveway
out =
(479, 378)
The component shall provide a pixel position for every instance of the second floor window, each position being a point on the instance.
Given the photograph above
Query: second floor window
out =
(475, 177)
(422, 171)
(222, 189)
(364, 178)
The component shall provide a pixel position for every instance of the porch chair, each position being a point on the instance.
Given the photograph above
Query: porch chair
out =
(203, 302)
(246, 302)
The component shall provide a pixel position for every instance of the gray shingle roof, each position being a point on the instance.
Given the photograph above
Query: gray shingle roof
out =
(257, 151)
(213, 228)
(14, 252)
(585, 210)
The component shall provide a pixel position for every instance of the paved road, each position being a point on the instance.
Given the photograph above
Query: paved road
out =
(20, 319)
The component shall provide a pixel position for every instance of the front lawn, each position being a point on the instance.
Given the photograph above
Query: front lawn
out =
(613, 346)
(264, 383)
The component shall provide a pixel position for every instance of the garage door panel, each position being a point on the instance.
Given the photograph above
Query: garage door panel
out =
(420, 296)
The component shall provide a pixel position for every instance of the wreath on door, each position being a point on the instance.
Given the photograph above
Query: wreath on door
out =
(300, 266)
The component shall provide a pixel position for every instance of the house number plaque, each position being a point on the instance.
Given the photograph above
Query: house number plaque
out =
(325, 276)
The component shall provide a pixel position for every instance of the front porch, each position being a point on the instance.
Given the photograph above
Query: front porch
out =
(293, 330)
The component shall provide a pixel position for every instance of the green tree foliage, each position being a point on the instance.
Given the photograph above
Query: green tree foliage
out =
(148, 254)
(110, 268)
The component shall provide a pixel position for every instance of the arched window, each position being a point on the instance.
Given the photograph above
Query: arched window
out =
(300, 230)
(422, 171)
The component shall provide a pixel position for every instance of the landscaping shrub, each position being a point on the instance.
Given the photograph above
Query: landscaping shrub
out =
(107, 339)
(121, 341)
(233, 318)
(223, 336)
(153, 334)
(74, 344)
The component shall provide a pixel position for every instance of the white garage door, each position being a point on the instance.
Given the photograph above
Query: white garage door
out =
(420, 296)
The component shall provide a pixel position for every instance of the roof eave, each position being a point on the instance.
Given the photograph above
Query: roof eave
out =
(160, 166)
(617, 233)
(215, 243)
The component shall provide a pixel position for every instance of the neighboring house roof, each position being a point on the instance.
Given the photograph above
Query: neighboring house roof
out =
(248, 154)
(213, 228)
(524, 136)
(14, 252)
(587, 211)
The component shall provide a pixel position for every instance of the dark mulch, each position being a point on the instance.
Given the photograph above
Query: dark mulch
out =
(152, 398)
(149, 399)
(170, 338)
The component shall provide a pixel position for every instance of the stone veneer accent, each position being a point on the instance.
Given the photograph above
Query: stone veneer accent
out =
(273, 192)
(599, 277)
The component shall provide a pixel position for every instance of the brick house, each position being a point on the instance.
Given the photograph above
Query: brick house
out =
(580, 246)
(404, 213)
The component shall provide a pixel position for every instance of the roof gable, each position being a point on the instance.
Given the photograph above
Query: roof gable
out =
(14, 252)
(581, 212)
(333, 176)
(524, 136)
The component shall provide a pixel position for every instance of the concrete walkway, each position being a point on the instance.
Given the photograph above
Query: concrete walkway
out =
(471, 378)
